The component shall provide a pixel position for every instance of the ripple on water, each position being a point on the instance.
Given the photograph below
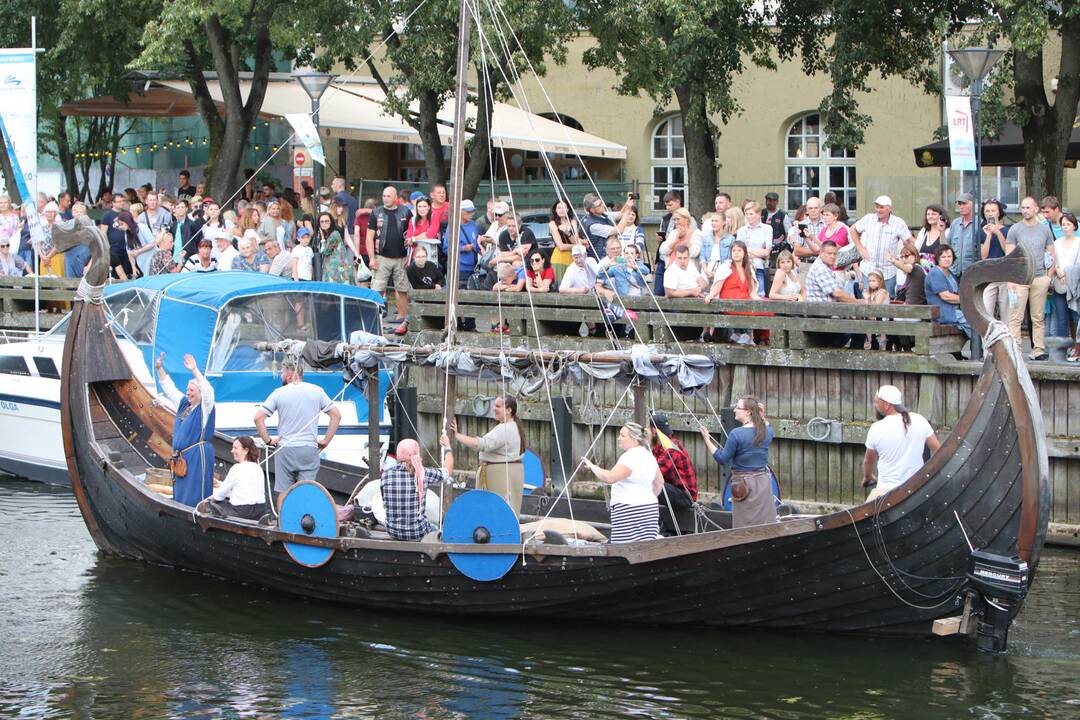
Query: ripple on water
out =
(95, 636)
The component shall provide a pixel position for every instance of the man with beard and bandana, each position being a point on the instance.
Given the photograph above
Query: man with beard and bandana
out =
(894, 444)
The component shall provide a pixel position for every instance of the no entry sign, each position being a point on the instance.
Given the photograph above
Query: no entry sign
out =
(299, 158)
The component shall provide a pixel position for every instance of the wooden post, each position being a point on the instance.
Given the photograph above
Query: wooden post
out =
(374, 408)
(562, 463)
(641, 403)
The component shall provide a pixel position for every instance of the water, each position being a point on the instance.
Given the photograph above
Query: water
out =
(87, 636)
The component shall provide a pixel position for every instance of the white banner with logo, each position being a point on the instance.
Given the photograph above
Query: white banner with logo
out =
(961, 132)
(307, 134)
(18, 112)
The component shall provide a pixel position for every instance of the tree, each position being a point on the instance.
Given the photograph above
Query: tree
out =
(421, 54)
(689, 50)
(230, 36)
(846, 40)
(86, 54)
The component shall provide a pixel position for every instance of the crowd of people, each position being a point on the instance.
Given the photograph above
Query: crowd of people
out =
(748, 251)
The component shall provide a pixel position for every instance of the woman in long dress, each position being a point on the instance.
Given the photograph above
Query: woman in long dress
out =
(747, 450)
(336, 265)
(193, 433)
(500, 451)
(635, 481)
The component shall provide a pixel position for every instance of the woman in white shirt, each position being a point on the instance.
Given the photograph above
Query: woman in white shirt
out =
(243, 494)
(1067, 252)
(682, 234)
(635, 482)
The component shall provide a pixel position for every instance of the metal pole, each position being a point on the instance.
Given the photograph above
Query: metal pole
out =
(317, 175)
(976, 106)
(33, 198)
(457, 179)
(374, 408)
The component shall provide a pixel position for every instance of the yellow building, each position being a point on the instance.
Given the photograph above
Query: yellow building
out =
(776, 143)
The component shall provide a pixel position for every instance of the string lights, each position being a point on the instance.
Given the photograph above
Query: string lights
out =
(154, 147)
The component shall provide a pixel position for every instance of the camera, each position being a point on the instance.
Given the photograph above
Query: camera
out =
(804, 226)
(633, 196)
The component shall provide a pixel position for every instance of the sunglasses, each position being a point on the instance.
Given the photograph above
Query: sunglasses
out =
(538, 260)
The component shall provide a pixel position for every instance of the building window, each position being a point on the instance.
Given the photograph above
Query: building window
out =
(813, 168)
(1003, 185)
(668, 160)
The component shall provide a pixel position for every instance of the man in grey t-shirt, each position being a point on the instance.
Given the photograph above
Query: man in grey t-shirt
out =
(1037, 240)
(298, 405)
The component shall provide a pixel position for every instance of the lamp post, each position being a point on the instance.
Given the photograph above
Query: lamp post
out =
(976, 64)
(314, 84)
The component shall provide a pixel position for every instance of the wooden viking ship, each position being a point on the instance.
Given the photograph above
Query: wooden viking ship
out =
(893, 566)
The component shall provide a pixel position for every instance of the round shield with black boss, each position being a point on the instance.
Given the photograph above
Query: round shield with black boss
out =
(307, 509)
(481, 517)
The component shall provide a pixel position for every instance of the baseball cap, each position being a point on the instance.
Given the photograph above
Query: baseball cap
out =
(660, 420)
(500, 208)
(578, 250)
(325, 192)
(965, 197)
(416, 195)
(891, 394)
(467, 206)
(883, 200)
(771, 196)
(303, 232)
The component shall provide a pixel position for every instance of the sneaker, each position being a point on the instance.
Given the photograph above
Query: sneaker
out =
(1038, 356)
(583, 330)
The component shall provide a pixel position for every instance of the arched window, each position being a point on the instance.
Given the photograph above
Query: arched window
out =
(668, 160)
(813, 168)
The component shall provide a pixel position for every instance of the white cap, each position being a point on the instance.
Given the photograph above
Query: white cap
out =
(891, 394)
(51, 207)
(883, 200)
(500, 208)
(578, 250)
(467, 206)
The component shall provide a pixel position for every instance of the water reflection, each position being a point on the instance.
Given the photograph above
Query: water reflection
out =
(96, 636)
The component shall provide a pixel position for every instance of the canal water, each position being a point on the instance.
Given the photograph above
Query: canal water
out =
(88, 636)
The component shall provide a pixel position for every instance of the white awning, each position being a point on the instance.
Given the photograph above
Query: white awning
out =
(352, 109)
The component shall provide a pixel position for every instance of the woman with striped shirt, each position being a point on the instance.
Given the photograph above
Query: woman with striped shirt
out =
(635, 482)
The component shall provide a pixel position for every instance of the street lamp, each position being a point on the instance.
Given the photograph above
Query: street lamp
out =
(314, 84)
(976, 64)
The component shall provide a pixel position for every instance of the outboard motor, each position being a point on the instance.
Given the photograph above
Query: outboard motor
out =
(999, 583)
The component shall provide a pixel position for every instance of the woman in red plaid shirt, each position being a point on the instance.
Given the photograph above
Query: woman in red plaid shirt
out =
(680, 480)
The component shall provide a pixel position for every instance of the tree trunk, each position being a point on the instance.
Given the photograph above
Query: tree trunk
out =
(700, 149)
(479, 148)
(428, 127)
(1048, 127)
(67, 160)
(229, 135)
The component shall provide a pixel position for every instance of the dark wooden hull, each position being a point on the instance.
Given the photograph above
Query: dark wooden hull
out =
(885, 568)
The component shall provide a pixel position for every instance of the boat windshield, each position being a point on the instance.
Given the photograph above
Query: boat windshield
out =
(136, 312)
(293, 316)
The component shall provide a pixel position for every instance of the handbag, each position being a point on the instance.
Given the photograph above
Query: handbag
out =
(178, 465)
(363, 272)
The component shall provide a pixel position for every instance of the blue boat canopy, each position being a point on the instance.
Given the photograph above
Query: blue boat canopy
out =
(218, 317)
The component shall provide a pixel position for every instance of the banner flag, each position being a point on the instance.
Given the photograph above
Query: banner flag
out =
(18, 112)
(306, 132)
(961, 132)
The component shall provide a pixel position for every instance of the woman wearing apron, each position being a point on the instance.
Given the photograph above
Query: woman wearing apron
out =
(747, 449)
(193, 434)
(500, 450)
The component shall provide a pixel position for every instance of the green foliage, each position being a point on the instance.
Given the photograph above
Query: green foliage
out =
(658, 46)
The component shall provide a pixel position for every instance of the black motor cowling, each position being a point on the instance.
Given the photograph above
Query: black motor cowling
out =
(999, 583)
